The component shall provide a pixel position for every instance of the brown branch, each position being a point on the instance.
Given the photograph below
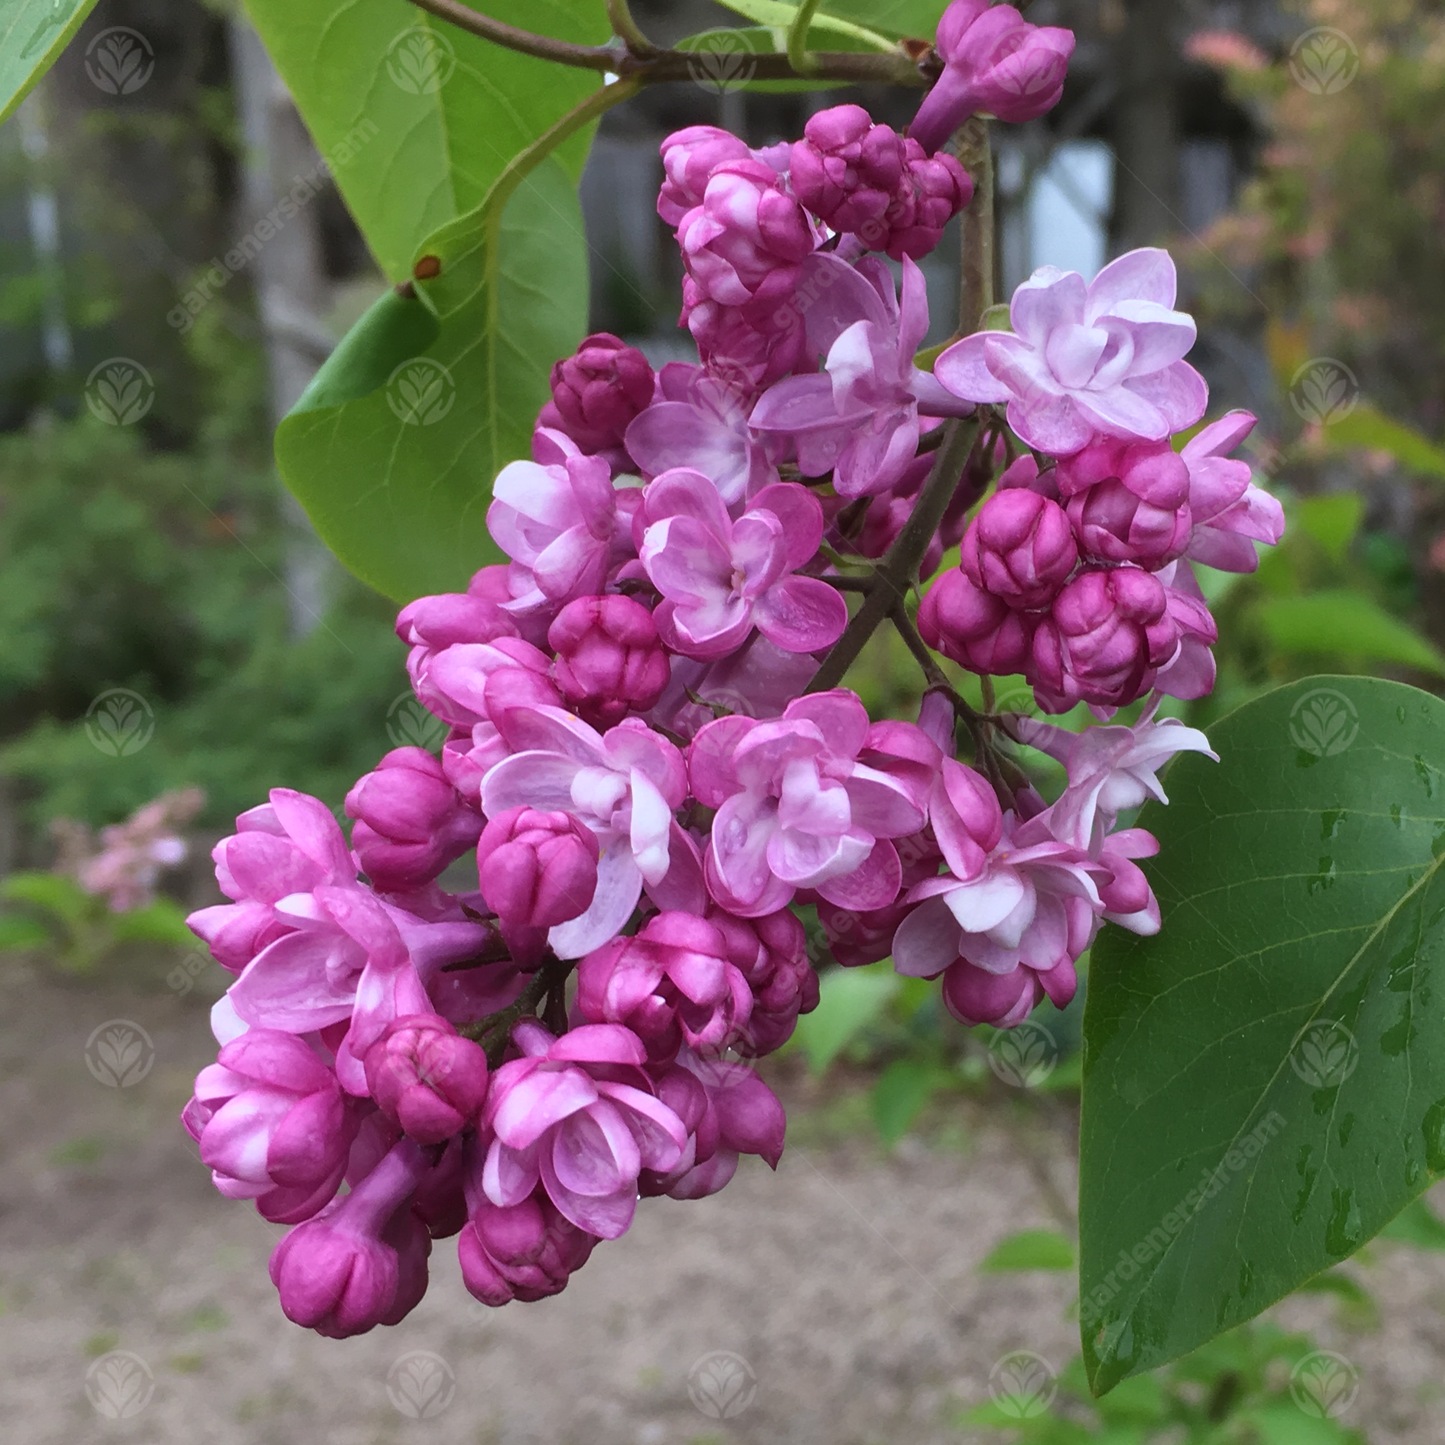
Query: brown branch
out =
(659, 66)
(898, 570)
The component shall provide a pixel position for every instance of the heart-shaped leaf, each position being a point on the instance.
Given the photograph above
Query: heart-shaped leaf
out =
(393, 449)
(1264, 1080)
(418, 118)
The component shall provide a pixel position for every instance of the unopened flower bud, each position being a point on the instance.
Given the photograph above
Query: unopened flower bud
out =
(537, 869)
(1020, 548)
(598, 391)
(973, 627)
(426, 1078)
(610, 661)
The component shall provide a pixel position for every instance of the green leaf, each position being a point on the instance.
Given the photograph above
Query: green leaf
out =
(393, 449)
(1264, 1079)
(17, 932)
(915, 18)
(824, 31)
(52, 892)
(416, 117)
(158, 922)
(1418, 1225)
(901, 1095)
(1029, 1249)
(1341, 623)
(1332, 521)
(848, 1000)
(1367, 428)
(32, 35)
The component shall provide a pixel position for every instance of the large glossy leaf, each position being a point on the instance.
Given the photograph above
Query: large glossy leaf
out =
(417, 116)
(32, 34)
(393, 449)
(1264, 1080)
(1341, 623)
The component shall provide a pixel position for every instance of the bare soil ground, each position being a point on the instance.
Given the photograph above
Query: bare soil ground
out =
(839, 1299)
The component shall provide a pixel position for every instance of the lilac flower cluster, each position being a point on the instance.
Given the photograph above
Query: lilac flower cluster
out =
(655, 795)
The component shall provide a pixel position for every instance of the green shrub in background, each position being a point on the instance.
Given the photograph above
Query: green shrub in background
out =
(161, 574)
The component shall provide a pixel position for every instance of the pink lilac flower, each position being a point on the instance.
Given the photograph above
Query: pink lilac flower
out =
(427, 1079)
(700, 422)
(721, 578)
(565, 526)
(993, 61)
(131, 856)
(797, 808)
(771, 953)
(624, 785)
(361, 1262)
(859, 419)
(1103, 357)
(689, 158)
(1111, 770)
(578, 1115)
(272, 1124)
(410, 822)
(1128, 501)
(597, 392)
(868, 181)
(1230, 514)
(524, 1251)
(610, 660)
(739, 1114)
(672, 982)
(759, 679)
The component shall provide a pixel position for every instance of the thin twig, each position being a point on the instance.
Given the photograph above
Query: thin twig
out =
(660, 66)
(628, 31)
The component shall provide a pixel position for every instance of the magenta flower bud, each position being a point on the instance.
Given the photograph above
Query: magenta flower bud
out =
(854, 938)
(272, 1124)
(974, 628)
(610, 661)
(771, 953)
(525, 1251)
(537, 869)
(356, 1265)
(426, 1078)
(1129, 502)
(974, 996)
(1020, 548)
(410, 821)
(868, 180)
(672, 982)
(689, 157)
(1096, 646)
(597, 392)
(742, 245)
(994, 61)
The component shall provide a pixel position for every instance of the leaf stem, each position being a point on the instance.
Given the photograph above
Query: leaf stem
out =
(627, 30)
(799, 57)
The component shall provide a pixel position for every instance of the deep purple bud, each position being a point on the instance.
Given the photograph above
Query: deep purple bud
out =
(610, 661)
(537, 869)
(410, 821)
(973, 627)
(771, 953)
(1020, 548)
(598, 391)
(426, 1078)
(974, 996)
